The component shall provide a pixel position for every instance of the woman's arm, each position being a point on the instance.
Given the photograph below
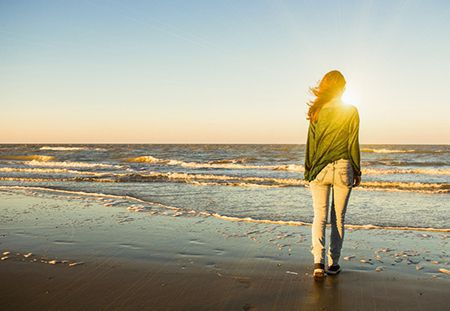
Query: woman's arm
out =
(309, 150)
(353, 144)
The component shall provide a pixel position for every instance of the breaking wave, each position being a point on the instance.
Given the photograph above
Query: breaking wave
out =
(382, 150)
(69, 148)
(46, 171)
(238, 164)
(36, 158)
(71, 164)
(220, 164)
(405, 163)
(406, 186)
(374, 171)
(237, 181)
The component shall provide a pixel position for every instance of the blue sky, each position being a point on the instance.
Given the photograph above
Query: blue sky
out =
(219, 71)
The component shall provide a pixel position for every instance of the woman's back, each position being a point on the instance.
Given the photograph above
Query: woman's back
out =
(333, 136)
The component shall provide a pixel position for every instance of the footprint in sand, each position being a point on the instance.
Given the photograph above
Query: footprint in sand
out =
(243, 280)
(212, 265)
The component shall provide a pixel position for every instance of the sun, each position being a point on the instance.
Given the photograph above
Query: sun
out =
(351, 97)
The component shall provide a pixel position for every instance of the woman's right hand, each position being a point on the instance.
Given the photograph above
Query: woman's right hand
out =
(356, 180)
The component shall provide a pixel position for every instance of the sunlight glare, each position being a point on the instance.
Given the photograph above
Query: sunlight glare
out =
(351, 97)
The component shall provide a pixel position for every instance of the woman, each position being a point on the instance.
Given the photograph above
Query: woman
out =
(332, 164)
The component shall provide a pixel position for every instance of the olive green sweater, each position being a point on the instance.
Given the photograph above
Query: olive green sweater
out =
(332, 137)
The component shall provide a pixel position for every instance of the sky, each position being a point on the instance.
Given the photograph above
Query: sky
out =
(97, 71)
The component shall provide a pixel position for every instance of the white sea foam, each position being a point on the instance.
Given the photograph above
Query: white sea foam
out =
(376, 171)
(70, 148)
(92, 194)
(234, 180)
(226, 180)
(71, 164)
(406, 186)
(35, 158)
(382, 150)
(225, 164)
(301, 223)
(47, 170)
(235, 184)
(229, 164)
(237, 181)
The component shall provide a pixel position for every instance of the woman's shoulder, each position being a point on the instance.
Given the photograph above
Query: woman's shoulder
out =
(338, 108)
(351, 109)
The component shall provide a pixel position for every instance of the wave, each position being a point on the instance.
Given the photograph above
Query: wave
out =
(236, 181)
(217, 215)
(37, 158)
(382, 150)
(406, 186)
(95, 194)
(405, 163)
(195, 179)
(406, 171)
(47, 170)
(220, 164)
(226, 180)
(225, 161)
(69, 148)
(209, 179)
(348, 226)
(72, 164)
(239, 164)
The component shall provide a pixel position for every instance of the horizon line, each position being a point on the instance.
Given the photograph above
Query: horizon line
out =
(193, 143)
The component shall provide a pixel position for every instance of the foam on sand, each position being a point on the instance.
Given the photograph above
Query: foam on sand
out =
(141, 208)
(93, 194)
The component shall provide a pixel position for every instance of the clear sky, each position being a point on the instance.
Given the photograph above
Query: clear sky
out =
(94, 71)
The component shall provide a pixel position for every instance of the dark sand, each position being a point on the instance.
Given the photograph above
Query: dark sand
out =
(161, 261)
(109, 285)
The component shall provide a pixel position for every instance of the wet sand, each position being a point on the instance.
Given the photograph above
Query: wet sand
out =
(160, 260)
(110, 285)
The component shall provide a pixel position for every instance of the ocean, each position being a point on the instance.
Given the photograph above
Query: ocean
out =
(404, 186)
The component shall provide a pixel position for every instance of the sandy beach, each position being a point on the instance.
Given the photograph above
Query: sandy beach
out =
(81, 252)
(176, 155)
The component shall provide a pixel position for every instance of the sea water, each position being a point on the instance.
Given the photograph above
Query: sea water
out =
(404, 186)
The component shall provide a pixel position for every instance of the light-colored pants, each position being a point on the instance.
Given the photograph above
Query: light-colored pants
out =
(337, 177)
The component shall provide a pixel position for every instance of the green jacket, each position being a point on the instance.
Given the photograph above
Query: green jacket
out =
(332, 137)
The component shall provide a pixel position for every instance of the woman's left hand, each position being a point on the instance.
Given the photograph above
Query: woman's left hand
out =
(356, 181)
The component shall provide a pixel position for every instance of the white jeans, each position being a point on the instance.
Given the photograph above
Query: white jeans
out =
(337, 177)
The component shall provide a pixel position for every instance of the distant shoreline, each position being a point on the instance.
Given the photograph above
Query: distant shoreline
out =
(206, 143)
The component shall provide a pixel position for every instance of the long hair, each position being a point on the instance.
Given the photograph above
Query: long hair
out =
(332, 85)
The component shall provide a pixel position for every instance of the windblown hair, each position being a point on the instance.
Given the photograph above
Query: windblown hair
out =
(332, 85)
